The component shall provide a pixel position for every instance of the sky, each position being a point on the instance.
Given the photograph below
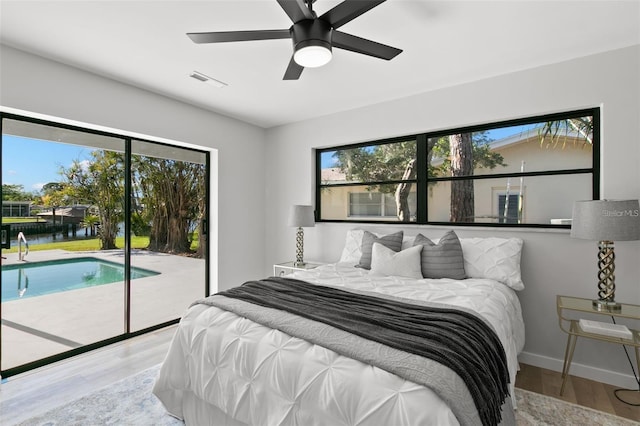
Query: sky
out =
(33, 163)
(328, 161)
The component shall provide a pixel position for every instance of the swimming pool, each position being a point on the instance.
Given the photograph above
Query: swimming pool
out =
(39, 278)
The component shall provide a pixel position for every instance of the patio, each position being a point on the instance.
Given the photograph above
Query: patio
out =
(36, 327)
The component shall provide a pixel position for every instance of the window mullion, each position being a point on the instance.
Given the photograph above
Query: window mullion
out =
(422, 183)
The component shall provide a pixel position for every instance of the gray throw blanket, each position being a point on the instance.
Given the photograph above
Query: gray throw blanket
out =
(454, 352)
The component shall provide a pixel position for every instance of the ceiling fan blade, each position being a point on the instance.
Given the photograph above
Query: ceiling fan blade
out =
(293, 71)
(296, 9)
(366, 47)
(348, 10)
(226, 36)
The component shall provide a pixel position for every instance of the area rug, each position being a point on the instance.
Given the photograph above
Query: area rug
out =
(540, 410)
(130, 402)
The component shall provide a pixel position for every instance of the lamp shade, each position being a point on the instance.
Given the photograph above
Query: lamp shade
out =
(606, 220)
(301, 216)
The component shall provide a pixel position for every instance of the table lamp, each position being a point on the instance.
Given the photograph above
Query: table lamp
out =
(301, 217)
(606, 221)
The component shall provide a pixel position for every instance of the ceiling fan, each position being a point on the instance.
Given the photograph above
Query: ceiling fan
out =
(313, 37)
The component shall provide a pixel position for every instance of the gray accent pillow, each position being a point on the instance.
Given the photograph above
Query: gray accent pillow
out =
(442, 260)
(391, 241)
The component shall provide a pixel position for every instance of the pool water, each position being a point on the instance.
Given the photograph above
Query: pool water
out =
(39, 278)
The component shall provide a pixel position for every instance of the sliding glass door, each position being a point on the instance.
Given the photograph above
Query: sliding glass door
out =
(102, 237)
(168, 213)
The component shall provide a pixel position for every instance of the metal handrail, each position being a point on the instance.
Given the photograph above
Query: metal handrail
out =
(22, 238)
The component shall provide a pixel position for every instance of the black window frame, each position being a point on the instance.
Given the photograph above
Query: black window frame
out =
(422, 179)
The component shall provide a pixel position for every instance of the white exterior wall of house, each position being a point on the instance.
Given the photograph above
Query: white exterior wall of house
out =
(552, 262)
(37, 85)
(335, 203)
(540, 205)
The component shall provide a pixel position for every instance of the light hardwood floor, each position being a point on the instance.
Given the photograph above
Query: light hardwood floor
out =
(37, 391)
(585, 392)
(40, 390)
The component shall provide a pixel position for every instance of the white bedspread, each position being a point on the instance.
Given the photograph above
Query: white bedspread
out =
(224, 367)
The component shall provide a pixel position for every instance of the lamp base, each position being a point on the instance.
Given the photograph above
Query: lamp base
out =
(299, 247)
(606, 305)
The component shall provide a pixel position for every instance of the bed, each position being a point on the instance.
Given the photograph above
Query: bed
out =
(236, 362)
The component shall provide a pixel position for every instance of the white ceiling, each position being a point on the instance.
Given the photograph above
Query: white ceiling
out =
(445, 43)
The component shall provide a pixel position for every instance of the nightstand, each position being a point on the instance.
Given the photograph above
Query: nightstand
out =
(571, 326)
(281, 269)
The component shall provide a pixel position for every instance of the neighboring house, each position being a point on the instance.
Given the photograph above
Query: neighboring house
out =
(73, 214)
(496, 200)
(16, 208)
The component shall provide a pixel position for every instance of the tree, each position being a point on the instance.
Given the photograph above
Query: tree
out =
(16, 192)
(101, 183)
(12, 192)
(462, 196)
(559, 132)
(395, 161)
(53, 197)
(462, 154)
(202, 213)
(170, 195)
(90, 222)
(457, 155)
(403, 190)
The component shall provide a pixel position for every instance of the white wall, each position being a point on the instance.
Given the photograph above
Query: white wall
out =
(552, 262)
(41, 86)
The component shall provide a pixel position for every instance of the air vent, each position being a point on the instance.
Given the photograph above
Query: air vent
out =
(206, 79)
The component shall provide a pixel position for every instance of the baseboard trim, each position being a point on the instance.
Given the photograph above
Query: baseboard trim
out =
(613, 378)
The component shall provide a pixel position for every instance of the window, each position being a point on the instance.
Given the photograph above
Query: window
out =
(509, 208)
(374, 205)
(525, 172)
(107, 218)
(369, 181)
(366, 204)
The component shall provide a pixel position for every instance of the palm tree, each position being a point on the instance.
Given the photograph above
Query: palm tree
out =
(90, 222)
(559, 132)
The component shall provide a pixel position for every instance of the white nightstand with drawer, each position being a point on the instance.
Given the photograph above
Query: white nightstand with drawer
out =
(286, 268)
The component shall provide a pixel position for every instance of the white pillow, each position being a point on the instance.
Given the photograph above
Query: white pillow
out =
(405, 263)
(352, 251)
(494, 258)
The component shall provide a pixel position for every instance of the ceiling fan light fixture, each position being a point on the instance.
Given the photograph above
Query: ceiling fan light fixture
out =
(311, 43)
(312, 53)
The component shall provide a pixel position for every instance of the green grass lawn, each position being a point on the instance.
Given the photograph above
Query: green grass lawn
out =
(91, 244)
(7, 220)
(83, 245)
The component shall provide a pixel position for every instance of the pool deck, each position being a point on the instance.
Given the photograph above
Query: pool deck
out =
(36, 327)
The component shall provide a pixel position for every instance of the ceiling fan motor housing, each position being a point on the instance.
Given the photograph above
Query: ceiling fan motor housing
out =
(311, 32)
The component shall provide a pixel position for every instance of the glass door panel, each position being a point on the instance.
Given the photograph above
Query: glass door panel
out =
(168, 231)
(63, 258)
